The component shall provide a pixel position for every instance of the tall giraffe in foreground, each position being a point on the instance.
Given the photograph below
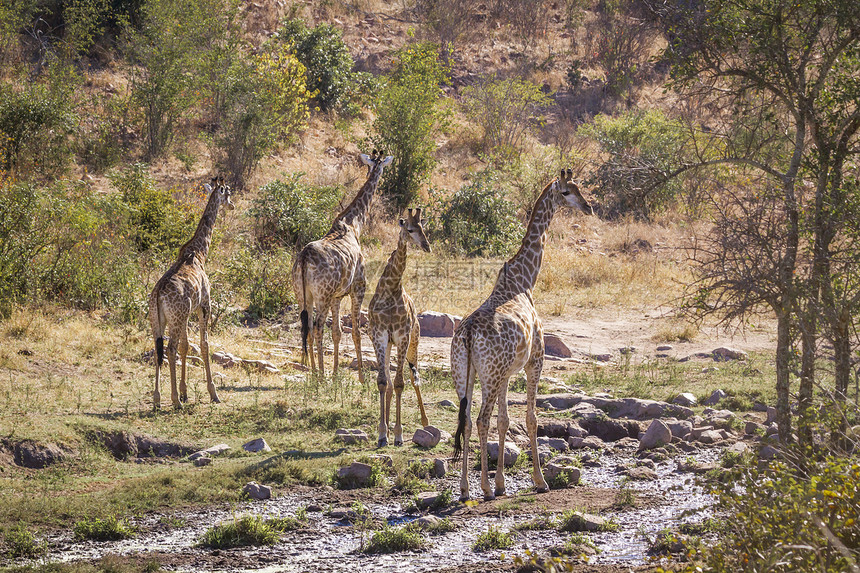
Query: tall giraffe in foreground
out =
(503, 336)
(327, 270)
(393, 320)
(183, 289)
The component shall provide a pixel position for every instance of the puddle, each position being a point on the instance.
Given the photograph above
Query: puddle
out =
(331, 545)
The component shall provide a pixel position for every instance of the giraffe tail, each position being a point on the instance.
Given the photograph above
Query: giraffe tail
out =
(464, 401)
(304, 316)
(155, 321)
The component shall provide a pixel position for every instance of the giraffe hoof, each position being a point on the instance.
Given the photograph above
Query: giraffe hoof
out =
(489, 497)
(500, 492)
(464, 497)
(542, 489)
(398, 443)
(216, 400)
(382, 443)
(184, 398)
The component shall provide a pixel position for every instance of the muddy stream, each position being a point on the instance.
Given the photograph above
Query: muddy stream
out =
(328, 544)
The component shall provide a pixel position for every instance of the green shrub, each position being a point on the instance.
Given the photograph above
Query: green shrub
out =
(292, 213)
(158, 223)
(476, 220)
(35, 128)
(784, 520)
(20, 542)
(328, 65)
(393, 540)
(107, 529)
(643, 148)
(408, 116)
(262, 279)
(493, 539)
(506, 109)
(249, 530)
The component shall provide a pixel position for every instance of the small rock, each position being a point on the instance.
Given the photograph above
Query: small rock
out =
(544, 454)
(447, 404)
(356, 474)
(768, 453)
(427, 499)
(437, 324)
(586, 522)
(591, 442)
(425, 439)
(427, 522)
(664, 348)
(738, 448)
(752, 428)
(555, 443)
(771, 415)
(257, 491)
(257, 445)
(710, 436)
(723, 354)
(440, 468)
(759, 407)
(555, 346)
(642, 473)
(202, 461)
(625, 350)
(382, 460)
(350, 436)
(553, 472)
(658, 434)
(512, 453)
(217, 449)
(685, 399)
(314, 508)
(714, 398)
(679, 428)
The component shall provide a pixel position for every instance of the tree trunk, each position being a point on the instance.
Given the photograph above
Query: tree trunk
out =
(808, 324)
(783, 380)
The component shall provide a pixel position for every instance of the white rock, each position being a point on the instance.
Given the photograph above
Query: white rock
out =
(555, 346)
(714, 398)
(425, 439)
(512, 453)
(685, 399)
(350, 436)
(257, 445)
(257, 491)
(217, 449)
(724, 354)
(658, 434)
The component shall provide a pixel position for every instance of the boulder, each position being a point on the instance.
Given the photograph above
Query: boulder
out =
(724, 354)
(768, 453)
(771, 415)
(425, 439)
(555, 346)
(202, 461)
(641, 473)
(355, 474)
(679, 428)
(591, 442)
(437, 324)
(256, 491)
(544, 454)
(256, 445)
(585, 522)
(710, 436)
(563, 401)
(427, 499)
(559, 444)
(554, 472)
(382, 460)
(427, 522)
(714, 398)
(664, 348)
(686, 399)
(657, 435)
(738, 448)
(553, 429)
(511, 453)
(440, 468)
(350, 436)
(752, 428)
(610, 430)
(217, 449)
(447, 404)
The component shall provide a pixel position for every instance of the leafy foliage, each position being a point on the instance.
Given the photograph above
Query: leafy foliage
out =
(408, 118)
(491, 539)
(260, 277)
(476, 220)
(292, 213)
(248, 530)
(328, 65)
(393, 540)
(20, 542)
(108, 529)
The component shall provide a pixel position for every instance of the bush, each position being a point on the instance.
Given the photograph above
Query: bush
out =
(643, 148)
(262, 278)
(20, 542)
(293, 213)
(476, 220)
(265, 103)
(408, 118)
(448, 20)
(785, 520)
(493, 539)
(506, 109)
(108, 529)
(240, 533)
(392, 540)
(157, 222)
(328, 65)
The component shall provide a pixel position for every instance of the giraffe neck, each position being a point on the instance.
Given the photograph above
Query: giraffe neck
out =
(520, 273)
(199, 243)
(355, 215)
(392, 275)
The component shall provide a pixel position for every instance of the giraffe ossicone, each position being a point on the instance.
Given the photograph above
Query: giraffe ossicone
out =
(503, 336)
(327, 270)
(182, 290)
(393, 321)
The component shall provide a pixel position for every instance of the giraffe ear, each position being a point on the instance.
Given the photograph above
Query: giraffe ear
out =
(207, 188)
(417, 213)
(387, 161)
(562, 174)
(402, 221)
(366, 159)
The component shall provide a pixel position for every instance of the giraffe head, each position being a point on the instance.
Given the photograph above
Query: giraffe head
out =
(412, 226)
(567, 193)
(375, 161)
(224, 192)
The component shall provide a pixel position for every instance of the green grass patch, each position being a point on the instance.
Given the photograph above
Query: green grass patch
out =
(574, 521)
(20, 542)
(541, 523)
(573, 545)
(243, 532)
(442, 526)
(396, 539)
(110, 528)
(493, 539)
(709, 525)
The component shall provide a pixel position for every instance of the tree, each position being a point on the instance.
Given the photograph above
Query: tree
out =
(408, 117)
(785, 75)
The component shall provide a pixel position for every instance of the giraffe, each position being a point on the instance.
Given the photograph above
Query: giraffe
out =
(327, 270)
(393, 320)
(183, 289)
(504, 335)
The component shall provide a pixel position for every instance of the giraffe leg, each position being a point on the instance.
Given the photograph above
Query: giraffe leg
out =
(412, 361)
(156, 396)
(336, 332)
(311, 338)
(319, 326)
(398, 392)
(464, 469)
(183, 355)
(503, 422)
(483, 426)
(171, 361)
(357, 297)
(533, 369)
(204, 352)
(379, 338)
